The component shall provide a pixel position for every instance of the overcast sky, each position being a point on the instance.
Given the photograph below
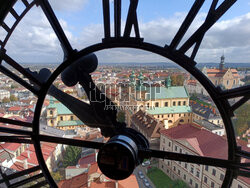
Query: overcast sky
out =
(34, 40)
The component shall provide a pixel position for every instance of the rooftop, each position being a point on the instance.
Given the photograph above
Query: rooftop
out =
(170, 110)
(166, 92)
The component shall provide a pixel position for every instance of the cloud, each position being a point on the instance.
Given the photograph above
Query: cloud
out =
(68, 5)
(35, 40)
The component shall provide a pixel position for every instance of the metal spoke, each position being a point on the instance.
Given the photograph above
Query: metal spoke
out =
(240, 102)
(18, 80)
(16, 139)
(23, 182)
(236, 92)
(16, 122)
(18, 67)
(21, 173)
(15, 131)
(48, 11)
(72, 142)
(223, 163)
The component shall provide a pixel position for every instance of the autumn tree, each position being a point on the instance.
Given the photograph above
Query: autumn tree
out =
(13, 98)
(5, 100)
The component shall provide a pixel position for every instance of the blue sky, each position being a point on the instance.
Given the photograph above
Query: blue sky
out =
(159, 21)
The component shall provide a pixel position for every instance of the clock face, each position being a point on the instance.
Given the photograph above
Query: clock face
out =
(94, 92)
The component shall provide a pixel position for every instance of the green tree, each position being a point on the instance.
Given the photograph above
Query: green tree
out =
(56, 176)
(121, 116)
(13, 86)
(242, 121)
(13, 98)
(180, 80)
(6, 100)
(71, 156)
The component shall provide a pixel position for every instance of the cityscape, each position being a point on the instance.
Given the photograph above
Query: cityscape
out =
(166, 104)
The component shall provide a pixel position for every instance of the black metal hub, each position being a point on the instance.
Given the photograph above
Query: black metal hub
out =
(118, 158)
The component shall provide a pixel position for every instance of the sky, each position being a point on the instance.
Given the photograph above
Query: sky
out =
(34, 41)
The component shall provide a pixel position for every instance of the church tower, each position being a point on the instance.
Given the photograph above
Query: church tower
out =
(222, 62)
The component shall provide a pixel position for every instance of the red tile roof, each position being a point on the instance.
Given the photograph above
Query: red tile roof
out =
(87, 160)
(80, 181)
(204, 142)
(15, 108)
(10, 146)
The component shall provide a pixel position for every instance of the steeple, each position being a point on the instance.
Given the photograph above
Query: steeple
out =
(222, 62)
(168, 82)
(132, 78)
(140, 77)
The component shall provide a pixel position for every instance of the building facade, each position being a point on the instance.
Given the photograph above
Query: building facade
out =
(194, 140)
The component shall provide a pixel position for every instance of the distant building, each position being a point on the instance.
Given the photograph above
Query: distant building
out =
(202, 111)
(193, 139)
(227, 78)
(61, 117)
(4, 94)
(148, 126)
(169, 104)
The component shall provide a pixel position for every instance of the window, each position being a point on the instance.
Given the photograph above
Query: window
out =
(169, 144)
(61, 118)
(227, 82)
(179, 103)
(180, 150)
(51, 121)
(166, 104)
(158, 116)
(198, 174)
(192, 170)
(174, 103)
(221, 177)
(181, 121)
(50, 112)
(156, 104)
(206, 168)
(184, 177)
(175, 148)
(184, 103)
(196, 185)
(148, 105)
(186, 165)
(179, 115)
(191, 181)
(214, 172)
(168, 163)
(174, 168)
(205, 179)
(179, 172)
(170, 121)
(212, 184)
(239, 186)
(162, 116)
(71, 118)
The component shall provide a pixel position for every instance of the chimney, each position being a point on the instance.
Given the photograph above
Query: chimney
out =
(25, 164)
(28, 153)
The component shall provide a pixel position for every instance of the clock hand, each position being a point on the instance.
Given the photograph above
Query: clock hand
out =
(104, 108)
(95, 114)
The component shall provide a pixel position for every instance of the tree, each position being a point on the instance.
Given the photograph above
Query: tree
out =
(6, 100)
(57, 176)
(242, 122)
(71, 156)
(13, 98)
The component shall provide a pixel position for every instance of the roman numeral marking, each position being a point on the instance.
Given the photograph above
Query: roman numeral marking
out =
(131, 20)
(195, 40)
